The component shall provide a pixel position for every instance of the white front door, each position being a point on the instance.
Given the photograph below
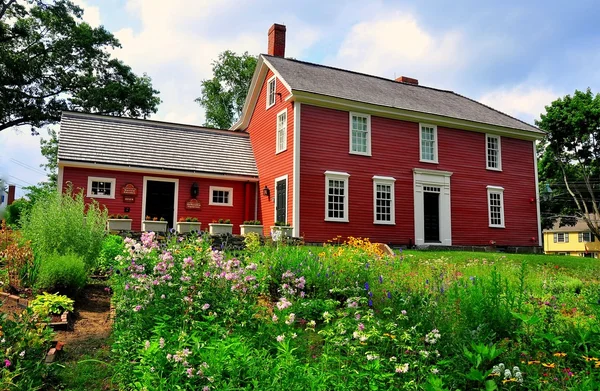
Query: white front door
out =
(433, 223)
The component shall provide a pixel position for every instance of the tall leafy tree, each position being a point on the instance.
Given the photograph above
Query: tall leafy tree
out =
(224, 95)
(571, 157)
(51, 61)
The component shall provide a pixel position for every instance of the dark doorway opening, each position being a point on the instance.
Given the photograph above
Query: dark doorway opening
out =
(281, 201)
(160, 200)
(431, 208)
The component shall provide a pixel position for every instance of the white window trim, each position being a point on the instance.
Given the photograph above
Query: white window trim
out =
(496, 190)
(368, 117)
(435, 143)
(565, 236)
(287, 195)
(487, 162)
(384, 180)
(219, 188)
(113, 186)
(285, 133)
(274, 80)
(339, 176)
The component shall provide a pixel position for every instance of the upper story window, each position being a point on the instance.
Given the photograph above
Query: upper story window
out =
(586, 237)
(336, 196)
(561, 237)
(281, 131)
(101, 187)
(496, 206)
(360, 134)
(383, 200)
(271, 89)
(222, 196)
(428, 141)
(493, 153)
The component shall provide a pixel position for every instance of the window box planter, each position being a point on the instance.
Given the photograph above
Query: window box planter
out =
(154, 226)
(184, 227)
(245, 229)
(119, 224)
(220, 228)
(278, 232)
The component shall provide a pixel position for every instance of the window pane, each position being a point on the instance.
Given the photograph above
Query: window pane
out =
(336, 198)
(360, 134)
(427, 143)
(383, 202)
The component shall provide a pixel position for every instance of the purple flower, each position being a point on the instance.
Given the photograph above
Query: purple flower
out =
(370, 303)
(380, 279)
(137, 308)
(7, 363)
(389, 295)
(370, 294)
(367, 286)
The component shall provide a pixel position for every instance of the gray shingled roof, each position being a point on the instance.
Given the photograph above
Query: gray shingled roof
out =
(580, 226)
(157, 145)
(339, 83)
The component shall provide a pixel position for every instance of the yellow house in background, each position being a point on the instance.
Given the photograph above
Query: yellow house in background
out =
(574, 240)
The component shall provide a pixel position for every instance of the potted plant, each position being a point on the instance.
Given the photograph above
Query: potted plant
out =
(188, 224)
(55, 308)
(221, 226)
(118, 223)
(251, 226)
(281, 229)
(154, 224)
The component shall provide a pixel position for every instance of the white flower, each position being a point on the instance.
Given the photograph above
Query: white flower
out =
(280, 338)
(22, 354)
(402, 368)
(435, 371)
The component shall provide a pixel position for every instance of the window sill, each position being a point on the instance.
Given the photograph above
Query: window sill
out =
(278, 152)
(429, 161)
(101, 196)
(337, 220)
(493, 169)
(384, 222)
(360, 153)
(268, 107)
(217, 204)
(497, 226)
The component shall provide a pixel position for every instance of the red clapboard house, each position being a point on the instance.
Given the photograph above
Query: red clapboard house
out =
(332, 152)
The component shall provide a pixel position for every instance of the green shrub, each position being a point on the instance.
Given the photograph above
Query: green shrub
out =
(112, 246)
(62, 273)
(51, 303)
(64, 224)
(16, 212)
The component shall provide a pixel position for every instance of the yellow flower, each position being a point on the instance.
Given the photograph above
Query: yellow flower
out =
(532, 362)
(559, 354)
(551, 365)
(512, 379)
(590, 358)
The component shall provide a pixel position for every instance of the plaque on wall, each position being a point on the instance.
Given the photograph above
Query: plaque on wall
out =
(192, 204)
(129, 199)
(129, 190)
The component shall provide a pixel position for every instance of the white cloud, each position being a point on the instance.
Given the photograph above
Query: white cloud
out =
(395, 43)
(91, 14)
(523, 101)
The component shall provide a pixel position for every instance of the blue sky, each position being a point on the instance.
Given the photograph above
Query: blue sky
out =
(515, 56)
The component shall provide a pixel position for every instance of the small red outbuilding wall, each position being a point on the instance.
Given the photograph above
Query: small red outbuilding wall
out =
(243, 207)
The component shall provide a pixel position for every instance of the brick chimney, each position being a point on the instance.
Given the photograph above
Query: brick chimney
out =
(409, 80)
(11, 194)
(277, 40)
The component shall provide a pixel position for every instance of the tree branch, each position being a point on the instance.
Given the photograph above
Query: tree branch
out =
(10, 124)
(5, 7)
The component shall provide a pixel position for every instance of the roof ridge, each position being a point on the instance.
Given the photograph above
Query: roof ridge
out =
(497, 111)
(358, 73)
(154, 123)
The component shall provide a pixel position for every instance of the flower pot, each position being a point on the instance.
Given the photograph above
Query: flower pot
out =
(279, 232)
(184, 227)
(245, 229)
(119, 224)
(220, 228)
(154, 226)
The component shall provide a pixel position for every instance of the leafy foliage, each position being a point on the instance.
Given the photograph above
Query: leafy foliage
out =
(224, 95)
(62, 273)
(572, 154)
(51, 61)
(65, 224)
(112, 246)
(51, 303)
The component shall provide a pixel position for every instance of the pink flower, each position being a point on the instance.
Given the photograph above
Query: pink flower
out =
(361, 326)
(280, 338)
(7, 363)
(205, 307)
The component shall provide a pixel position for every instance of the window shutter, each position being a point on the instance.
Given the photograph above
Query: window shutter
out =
(555, 237)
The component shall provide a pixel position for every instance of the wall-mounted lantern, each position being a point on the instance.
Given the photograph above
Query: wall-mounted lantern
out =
(195, 190)
(266, 192)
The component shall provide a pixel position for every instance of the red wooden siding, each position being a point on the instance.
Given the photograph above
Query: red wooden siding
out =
(263, 128)
(395, 152)
(236, 213)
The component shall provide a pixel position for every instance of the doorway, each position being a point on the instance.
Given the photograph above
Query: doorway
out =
(431, 216)
(160, 199)
(281, 199)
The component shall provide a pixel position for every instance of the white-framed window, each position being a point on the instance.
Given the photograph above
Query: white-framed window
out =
(360, 134)
(222, 196)
(281, 131)
(586, 237)
(271, 91)
(101, 187)
(587, 255)
(561, 237)
(428, 143)
(493, 152)
(336, 196)
(496, 206)
(383, 200)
